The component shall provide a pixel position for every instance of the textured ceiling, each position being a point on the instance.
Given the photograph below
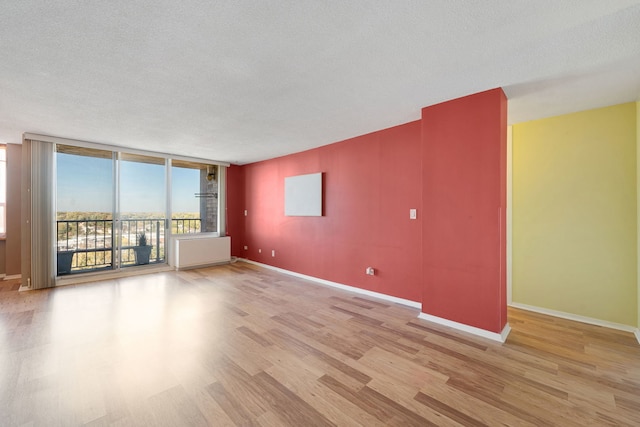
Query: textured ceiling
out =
(241, 81)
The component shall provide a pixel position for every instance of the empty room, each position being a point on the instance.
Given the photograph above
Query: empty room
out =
(320, 213)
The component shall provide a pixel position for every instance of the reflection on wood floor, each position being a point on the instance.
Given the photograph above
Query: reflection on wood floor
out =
(241, 345)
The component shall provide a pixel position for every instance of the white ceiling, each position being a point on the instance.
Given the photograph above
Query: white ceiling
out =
(242, 81)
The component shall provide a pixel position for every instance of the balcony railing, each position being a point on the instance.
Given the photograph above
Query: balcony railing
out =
(185, 225)
(88, 245)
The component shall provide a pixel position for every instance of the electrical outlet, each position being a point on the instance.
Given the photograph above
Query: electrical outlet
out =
(246, 247)
(259, 251)
(370, 271)
(273, 252)
(245, 212)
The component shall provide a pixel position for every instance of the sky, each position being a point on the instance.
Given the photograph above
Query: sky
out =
(85, 184)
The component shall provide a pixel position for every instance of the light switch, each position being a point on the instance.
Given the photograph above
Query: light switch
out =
(413, 213)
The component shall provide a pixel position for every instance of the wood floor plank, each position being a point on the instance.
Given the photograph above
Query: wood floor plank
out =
(404, 370)
(563, 411)
(450, 336)
(209, 408)
(403, 394)
(448, 411)
(174, 406)
(325, 358)
(479, 392)
(381, 413)
(287, 405)
(239, 390)
(355, 316)
(394, 346)
(260, 339)
(408, 417)
(478, 409)
(345, 344)
(298, 377)
(233, 409)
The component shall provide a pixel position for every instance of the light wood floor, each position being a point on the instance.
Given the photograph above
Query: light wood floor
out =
(240, 345)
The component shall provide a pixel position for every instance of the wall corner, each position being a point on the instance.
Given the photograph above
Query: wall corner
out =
(638, 216)
(509, 254)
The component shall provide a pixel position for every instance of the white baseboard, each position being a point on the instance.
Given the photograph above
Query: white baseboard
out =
(575, 317)
(637, 334)
(501, 337)
(409, 303)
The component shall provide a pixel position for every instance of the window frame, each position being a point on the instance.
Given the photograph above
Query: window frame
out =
(3, 191)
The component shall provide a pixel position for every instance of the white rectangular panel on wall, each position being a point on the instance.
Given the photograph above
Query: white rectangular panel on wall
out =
(303, 195)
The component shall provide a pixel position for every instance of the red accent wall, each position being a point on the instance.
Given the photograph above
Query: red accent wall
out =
(370, 182)
(464, 224)
(235, 208)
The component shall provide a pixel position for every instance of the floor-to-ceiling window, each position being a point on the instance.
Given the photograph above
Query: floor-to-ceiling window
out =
(113, 208)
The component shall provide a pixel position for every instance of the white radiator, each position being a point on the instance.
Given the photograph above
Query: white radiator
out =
(199, 250)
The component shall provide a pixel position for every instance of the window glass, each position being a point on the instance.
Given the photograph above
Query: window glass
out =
(84, 209)
(143, 209)
(194, 197)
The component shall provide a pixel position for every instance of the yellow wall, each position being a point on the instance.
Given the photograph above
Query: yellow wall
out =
(575, 244)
